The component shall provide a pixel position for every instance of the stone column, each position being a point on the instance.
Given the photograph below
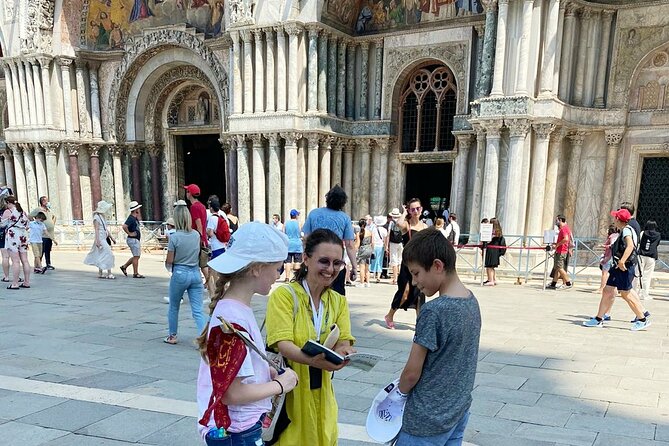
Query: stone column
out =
(116, 152)
(30, 90)
(96, 186)
(290, 172)
(538, 179)
(491, 172)
(459, 193)
(31, 177)
(523, 65)
(332, 75)
(11, 101)
(243, 180)
(274, 176)
(581, 63)
(500, 50)
(238, 89)
(64, 64)
(341, 78)
(518, 129)
(600, 85)
(271, 70)
(591, 68)
(259, 186)
(488, 60)
(312, 171)
(554, 147)
(95, 100)
(577, 138)
(225, 146)
(19, 110)
(312, 69)
(364, 152)
(3, 176)
(378, 78)
(566, 57)
(8, 161)
(44, 63)
(40, 170)
(395, 172)
(21, 189)
(247, 37)
(280, 69)
(613, 139)
(233, 190)
(325, 165)
(154, 154)
(84, 119)
(39, 96)
(350, 82)
(349, 148)
(75, 182)
(294, 31)
(479, 163)
(382, 173)
(335, 174)
(374, 179)
(49, 149)
(480, 33)
(550, 49)
(323, 73)
(364, 79)
(25, 105)
(259, 72)
(135, 152)
(558, 50)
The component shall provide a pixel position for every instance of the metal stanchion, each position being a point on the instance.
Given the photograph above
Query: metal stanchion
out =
(482, 264)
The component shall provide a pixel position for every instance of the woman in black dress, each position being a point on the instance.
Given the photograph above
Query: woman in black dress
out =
(493, 255)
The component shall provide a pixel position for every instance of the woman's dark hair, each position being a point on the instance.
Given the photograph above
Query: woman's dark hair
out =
(363, 224)
(336, 198)
(319, 236)
(12, 199)
(226, 208)
(651, 225)
(612, 229)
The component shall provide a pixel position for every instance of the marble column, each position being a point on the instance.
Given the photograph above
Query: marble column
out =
(350, 81)
(341, 78)
(64, 64)
(378, 78)
(558, 50)
(10, 95)
(30, 90)
(40, 170)
(613, 139)
(75, 181)
(233, 185)
(518, 129)
(44, 63)
(550, 49)
(154, 154)
(247, 38)
(383, 145)
(491, 170)
(591, 68)
(349, 148)
(290, 172)
(480, 33)
(280, 69)
(274, 176)
(95, 100)
(365, 161)
(135, 152)
(323, 73)
(270, 38)
(325, 166)
(500, 50)
(21, 189)
(523, 65)
(3, 176)
(243, 180)
(20, 112)
(84, 124)
(39, 96)
(566, 58)
(550, 190)
(238, 89)
(53, 192)
(294, 32)
(571, 192)
(312, 171)
(116, 152)
(581, 62)
(490, 7)
(335, 174)
(364, 79)
(600, 84)
(259, 72)
(25, 104)
(396, 172)
(374, 179)
(31, 176)
(537, 186)
(96, 186)
(332, 75)
(225, 146)
(459, 192)
(479, 162)
(301, 179)
(312, 69)
(258, 188)
(8, 161)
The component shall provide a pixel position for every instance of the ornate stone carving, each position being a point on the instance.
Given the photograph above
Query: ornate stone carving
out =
(577, 136)
(518, 128)
(543, 130)
(465, 140)
(273, 139)
(571, 9)
(135, 150)
(94, 150)
(291, 137)
(50, 148)
(241, 12)
(493, 127)
(154, 150)
(38, 26)
(256, 138)
(116, 150)
(293, 29)
(614, 136)
(505, 106)
(72, 148)
(489, 5)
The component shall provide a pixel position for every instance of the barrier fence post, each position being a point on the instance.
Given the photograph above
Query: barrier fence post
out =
(545, 270)
(482, 264)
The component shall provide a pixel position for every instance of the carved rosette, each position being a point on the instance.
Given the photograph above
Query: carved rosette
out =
(543, 130)
(614, 137)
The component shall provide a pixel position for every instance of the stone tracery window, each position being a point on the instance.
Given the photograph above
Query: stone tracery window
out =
(427, 107)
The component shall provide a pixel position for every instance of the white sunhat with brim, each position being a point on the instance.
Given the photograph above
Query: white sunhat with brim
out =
(384, 419)
(252, 242)
(103, 207)
(380, 220)
(395, 213)
(134, 206)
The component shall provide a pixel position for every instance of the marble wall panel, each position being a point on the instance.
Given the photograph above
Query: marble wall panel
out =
(591, 179)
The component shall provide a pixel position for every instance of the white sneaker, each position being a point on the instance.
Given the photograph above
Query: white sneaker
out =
(366, 284)
(167, 299)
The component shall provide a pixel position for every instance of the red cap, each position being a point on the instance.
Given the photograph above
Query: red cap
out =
(622, 215)
(193, 189)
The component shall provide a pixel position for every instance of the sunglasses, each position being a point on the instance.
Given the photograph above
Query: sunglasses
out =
(324, 262)
(414, 210)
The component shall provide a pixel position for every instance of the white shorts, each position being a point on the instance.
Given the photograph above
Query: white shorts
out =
(395, 254)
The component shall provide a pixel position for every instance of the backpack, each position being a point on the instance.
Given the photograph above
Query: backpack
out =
(395, 233)
(222, 230)
(619, 246)
(451, 235)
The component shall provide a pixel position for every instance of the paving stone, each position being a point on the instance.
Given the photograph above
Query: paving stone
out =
(491, 425)
(71, 415)
(86, 440)
(484, 439)
(110, 380)
(635, 397)
(136, 424)
(558, 434)
(611, 425)
(604, 439)
(542, 385)
(167, 389)
(18, 405)
(19, 434)
(506, 395)
(182, 433)
(538, 415)
(575, 405)
(505, 358)
(662, 431)
(485, 408)
(501, 381)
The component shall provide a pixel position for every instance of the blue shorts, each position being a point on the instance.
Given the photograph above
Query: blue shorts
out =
(451, 438)
(621, 279)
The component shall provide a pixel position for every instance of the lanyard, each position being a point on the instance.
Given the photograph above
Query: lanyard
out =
(318, 315)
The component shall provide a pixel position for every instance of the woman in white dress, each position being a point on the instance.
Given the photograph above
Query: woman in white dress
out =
(101, 254)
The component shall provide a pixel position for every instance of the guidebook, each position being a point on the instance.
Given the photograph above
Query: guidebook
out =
(362, 361)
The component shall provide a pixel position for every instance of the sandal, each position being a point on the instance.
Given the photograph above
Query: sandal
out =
(171, 339)
(137, 276)
(6, 280)
(389, 323)
(13, 288)
(109, 276)
(24, 286)
(124, 271)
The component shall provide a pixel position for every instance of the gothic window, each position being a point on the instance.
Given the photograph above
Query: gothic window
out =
(427, 108)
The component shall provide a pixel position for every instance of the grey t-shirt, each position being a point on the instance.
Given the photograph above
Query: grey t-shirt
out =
(186, 247)
(449, 328)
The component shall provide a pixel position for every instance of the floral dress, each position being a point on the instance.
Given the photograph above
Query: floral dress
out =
(17, 232)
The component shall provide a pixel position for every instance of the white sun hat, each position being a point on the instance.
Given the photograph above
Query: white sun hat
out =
(380, 220)
(252, 242)
(384, 419)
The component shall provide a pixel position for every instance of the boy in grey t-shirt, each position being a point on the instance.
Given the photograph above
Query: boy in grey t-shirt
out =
(438, 378)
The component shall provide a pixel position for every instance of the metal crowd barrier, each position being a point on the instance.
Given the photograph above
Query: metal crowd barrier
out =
(80, 234)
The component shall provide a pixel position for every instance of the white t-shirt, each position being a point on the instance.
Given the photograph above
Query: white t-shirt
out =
(37, 230)
(254, 370)
(455, 227)
(214, 242)
(379, 234)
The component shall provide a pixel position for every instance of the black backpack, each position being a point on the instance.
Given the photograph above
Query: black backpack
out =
(619, 246)
(451, 235)
(395, 233)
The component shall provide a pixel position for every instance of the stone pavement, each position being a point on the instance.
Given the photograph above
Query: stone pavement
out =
(82, 363)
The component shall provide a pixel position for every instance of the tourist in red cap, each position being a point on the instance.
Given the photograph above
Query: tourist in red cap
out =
(198, 214)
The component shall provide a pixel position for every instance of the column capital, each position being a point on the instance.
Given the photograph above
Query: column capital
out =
(577, 136)
(154, 150)
(518, 128)
(258, 34)
(293, 28)
(607, 14)
(38, 148)
(350, 145)
(571, 9)
(291, 137)
(116, 150)
(269, 32)
(240, 142)
(587, 13)
(16, 149)
(256, 138)
(465, 140)
(44, 61)
(313, 29)
(234, 35)
(327, 141)
(27, 147)
(94, 150)
(337, 144)
(273, 139)
(72, 148)
(32, 60)
(479, 129)
(489, 5)
(64, 62)
(503, 2)
(384, 145)
(225, 142)
(279, 29)
(378, 41)
(246, 35)
(135, 150)
(493, 127)
(543, 129)
(50, 148)
(480, 29)
(332, 37)
(365, 145)
(364, 45)
(80, 64)
(614, 136)
(312, 140)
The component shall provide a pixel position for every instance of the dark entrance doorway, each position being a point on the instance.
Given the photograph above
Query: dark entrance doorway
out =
(432, 184)
(203, 164)
(654, 194)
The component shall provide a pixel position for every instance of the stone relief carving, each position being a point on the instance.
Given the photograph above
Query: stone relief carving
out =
(39, 26)
(9, 9)
(453, 54)
(241, 12)
(140, 49)
(505, 106)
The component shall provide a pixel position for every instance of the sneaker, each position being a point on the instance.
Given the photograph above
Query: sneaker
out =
(592, 322)
(561, 287)
(366, 285)
(607, 317)
(645, 314)
(167, 299)
(550, 286)
(50, 268)
(489, 284)
(567, 286)
(638, 325)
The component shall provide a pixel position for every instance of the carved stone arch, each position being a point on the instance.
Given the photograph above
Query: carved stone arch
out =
(403, 61)
(141, 49)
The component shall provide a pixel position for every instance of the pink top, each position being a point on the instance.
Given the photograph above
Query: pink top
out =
(607, 248)
(254, 370)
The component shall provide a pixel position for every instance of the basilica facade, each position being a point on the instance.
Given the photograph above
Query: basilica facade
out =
(519, 109)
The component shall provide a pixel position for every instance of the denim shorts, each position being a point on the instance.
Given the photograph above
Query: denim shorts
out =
(249, 437)
(135, 246)
(451, 438)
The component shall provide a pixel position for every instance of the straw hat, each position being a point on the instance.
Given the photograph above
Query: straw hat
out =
(170, 222)
(395, 213)
(380, 220)
(103, 207)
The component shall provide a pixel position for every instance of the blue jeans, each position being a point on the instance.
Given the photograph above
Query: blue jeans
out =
(249, 437)
(451, 438)
(186, 278)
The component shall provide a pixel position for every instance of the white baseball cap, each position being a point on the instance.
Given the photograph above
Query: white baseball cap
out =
(384, 419)
(252, 242)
